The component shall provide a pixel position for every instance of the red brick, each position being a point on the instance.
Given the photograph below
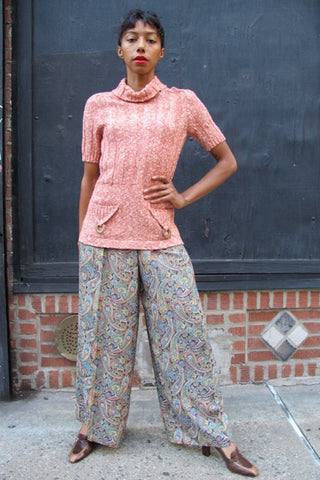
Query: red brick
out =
(25, 384)
(22, 301)
(314, 300)
(51, 319)
(54, 379)
(28, 369)
(264, 300)
(27, 329)
(75, 303)
(278, 300)
(256, 329)
(215, 319)
(237, 317)
(261, 316)
(255, 344)
(299, 370)
(272, 372)
(50, 304)
(252, 301)
(12, 315)
(225, 301)
(67, 378)
(313, 341)
(40, 379)
(36, 304)
(261, 356)
(28, 357)
(233, 374)
(303, 299)
(11, 301)
(136, 379)
(307, 353)
(28, 343)
(244, 374)
(49, 349)
(239, 346)
(63, 304)
(7, 14)
(212, 301)
(238, 301)
(312, 369)
(24, 314)
(237, 331)
(285, 371)
(312, 327)
(291, 301)
(47, 335)
(56, 362)
(258, 373)
(202, 296)
(238, 358)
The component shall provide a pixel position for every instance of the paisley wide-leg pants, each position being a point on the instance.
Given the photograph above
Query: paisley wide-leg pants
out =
(111, 283)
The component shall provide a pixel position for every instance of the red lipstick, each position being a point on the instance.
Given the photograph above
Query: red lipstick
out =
(140, 60)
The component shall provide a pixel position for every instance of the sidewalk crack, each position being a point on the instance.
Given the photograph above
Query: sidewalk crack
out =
(294, 423)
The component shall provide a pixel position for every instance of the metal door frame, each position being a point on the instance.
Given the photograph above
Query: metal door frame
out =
(4, 347)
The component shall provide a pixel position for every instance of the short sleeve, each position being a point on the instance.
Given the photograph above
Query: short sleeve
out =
(91, 134)
(200, 124)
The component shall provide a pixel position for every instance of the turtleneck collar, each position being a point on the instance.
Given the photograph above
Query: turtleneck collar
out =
(127, 94)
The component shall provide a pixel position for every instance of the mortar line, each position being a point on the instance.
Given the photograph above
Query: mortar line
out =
(294, 423)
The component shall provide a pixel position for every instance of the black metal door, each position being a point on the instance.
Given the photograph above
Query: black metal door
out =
(4, 351)
(254, 64)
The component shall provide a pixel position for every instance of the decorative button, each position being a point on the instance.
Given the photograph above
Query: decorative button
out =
(101, 228)
(166, 232)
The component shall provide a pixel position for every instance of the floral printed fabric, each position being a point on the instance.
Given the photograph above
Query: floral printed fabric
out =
(134, 136)
(111, 282)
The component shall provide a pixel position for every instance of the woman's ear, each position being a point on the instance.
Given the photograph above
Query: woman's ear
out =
(161, 53)
(119, 51)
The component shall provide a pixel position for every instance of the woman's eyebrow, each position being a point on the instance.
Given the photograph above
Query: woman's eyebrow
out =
(150, 32)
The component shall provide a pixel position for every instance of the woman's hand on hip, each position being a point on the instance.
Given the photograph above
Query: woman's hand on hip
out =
(164, 191)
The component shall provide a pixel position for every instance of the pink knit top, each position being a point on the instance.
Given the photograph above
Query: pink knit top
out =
(134, 136)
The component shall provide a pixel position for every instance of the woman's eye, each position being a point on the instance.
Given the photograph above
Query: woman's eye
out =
(151, 40)
(130, 40)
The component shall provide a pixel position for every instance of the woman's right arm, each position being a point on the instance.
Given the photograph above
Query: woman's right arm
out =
(89, 179)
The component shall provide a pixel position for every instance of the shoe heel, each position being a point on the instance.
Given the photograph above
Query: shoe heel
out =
(206, 451)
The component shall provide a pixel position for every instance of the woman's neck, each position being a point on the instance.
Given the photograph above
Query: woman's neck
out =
(138, 82)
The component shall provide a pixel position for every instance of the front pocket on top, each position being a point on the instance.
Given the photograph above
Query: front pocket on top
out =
(164, 217)
(102, 214)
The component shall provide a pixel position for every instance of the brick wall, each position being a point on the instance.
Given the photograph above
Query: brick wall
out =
(36, 362)
(235, 321)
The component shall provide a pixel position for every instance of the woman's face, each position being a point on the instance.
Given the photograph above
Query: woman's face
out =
(141, 48)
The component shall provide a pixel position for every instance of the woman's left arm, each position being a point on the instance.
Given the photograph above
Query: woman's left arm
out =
(166, 191)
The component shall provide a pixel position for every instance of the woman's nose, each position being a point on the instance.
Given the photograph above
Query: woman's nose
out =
(141, 45)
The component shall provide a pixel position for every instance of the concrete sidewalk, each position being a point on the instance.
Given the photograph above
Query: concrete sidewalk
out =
(37, 432)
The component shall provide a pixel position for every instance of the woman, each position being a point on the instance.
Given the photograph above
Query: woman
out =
(130, 248)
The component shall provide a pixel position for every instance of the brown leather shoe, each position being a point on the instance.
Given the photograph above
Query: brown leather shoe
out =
(237, 463)
(81, 448)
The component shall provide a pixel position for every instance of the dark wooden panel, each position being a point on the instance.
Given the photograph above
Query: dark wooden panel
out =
(256, 67)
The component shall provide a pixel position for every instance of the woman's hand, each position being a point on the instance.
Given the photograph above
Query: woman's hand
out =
(164, 191)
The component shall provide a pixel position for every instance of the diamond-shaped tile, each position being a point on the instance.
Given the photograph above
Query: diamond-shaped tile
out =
(284, 335)
(273, 337)
(285, 350)
(285, 322)
(297, 335)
